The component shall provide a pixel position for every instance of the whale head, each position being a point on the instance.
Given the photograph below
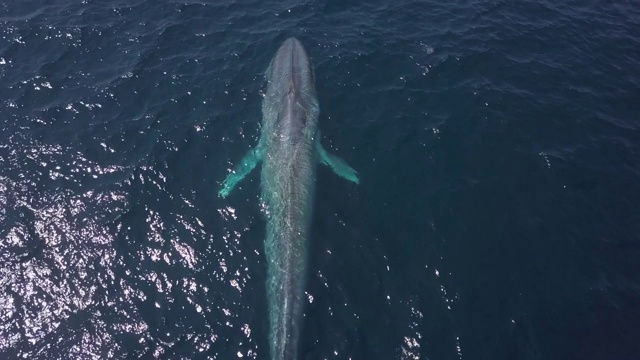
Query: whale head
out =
(291, 71)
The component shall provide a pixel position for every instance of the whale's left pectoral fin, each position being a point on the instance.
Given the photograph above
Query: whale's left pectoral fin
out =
(337, 164)
(244, 167)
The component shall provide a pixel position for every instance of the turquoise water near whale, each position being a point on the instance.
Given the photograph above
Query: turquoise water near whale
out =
(497, 145)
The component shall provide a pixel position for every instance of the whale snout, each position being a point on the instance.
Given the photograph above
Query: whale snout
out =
(291, 65)
(292, 48)
(291, 42)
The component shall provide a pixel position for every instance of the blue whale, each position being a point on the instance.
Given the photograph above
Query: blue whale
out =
(289, 149)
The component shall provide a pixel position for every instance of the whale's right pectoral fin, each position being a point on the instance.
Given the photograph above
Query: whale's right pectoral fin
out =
(244, 167)
(337, 164)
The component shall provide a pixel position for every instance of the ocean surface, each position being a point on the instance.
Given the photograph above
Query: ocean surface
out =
(497, 145)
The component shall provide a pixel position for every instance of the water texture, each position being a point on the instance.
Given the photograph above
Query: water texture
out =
(497, 144)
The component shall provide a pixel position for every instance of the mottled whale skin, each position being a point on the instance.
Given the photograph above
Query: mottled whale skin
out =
(289, 149)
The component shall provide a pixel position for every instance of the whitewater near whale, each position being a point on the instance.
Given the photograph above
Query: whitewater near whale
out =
(288, 149)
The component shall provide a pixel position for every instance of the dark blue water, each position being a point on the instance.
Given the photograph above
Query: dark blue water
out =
(497, 143)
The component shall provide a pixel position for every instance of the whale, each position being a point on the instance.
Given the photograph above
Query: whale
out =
(288, 150)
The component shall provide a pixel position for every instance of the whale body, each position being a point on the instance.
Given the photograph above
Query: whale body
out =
(289, 149)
